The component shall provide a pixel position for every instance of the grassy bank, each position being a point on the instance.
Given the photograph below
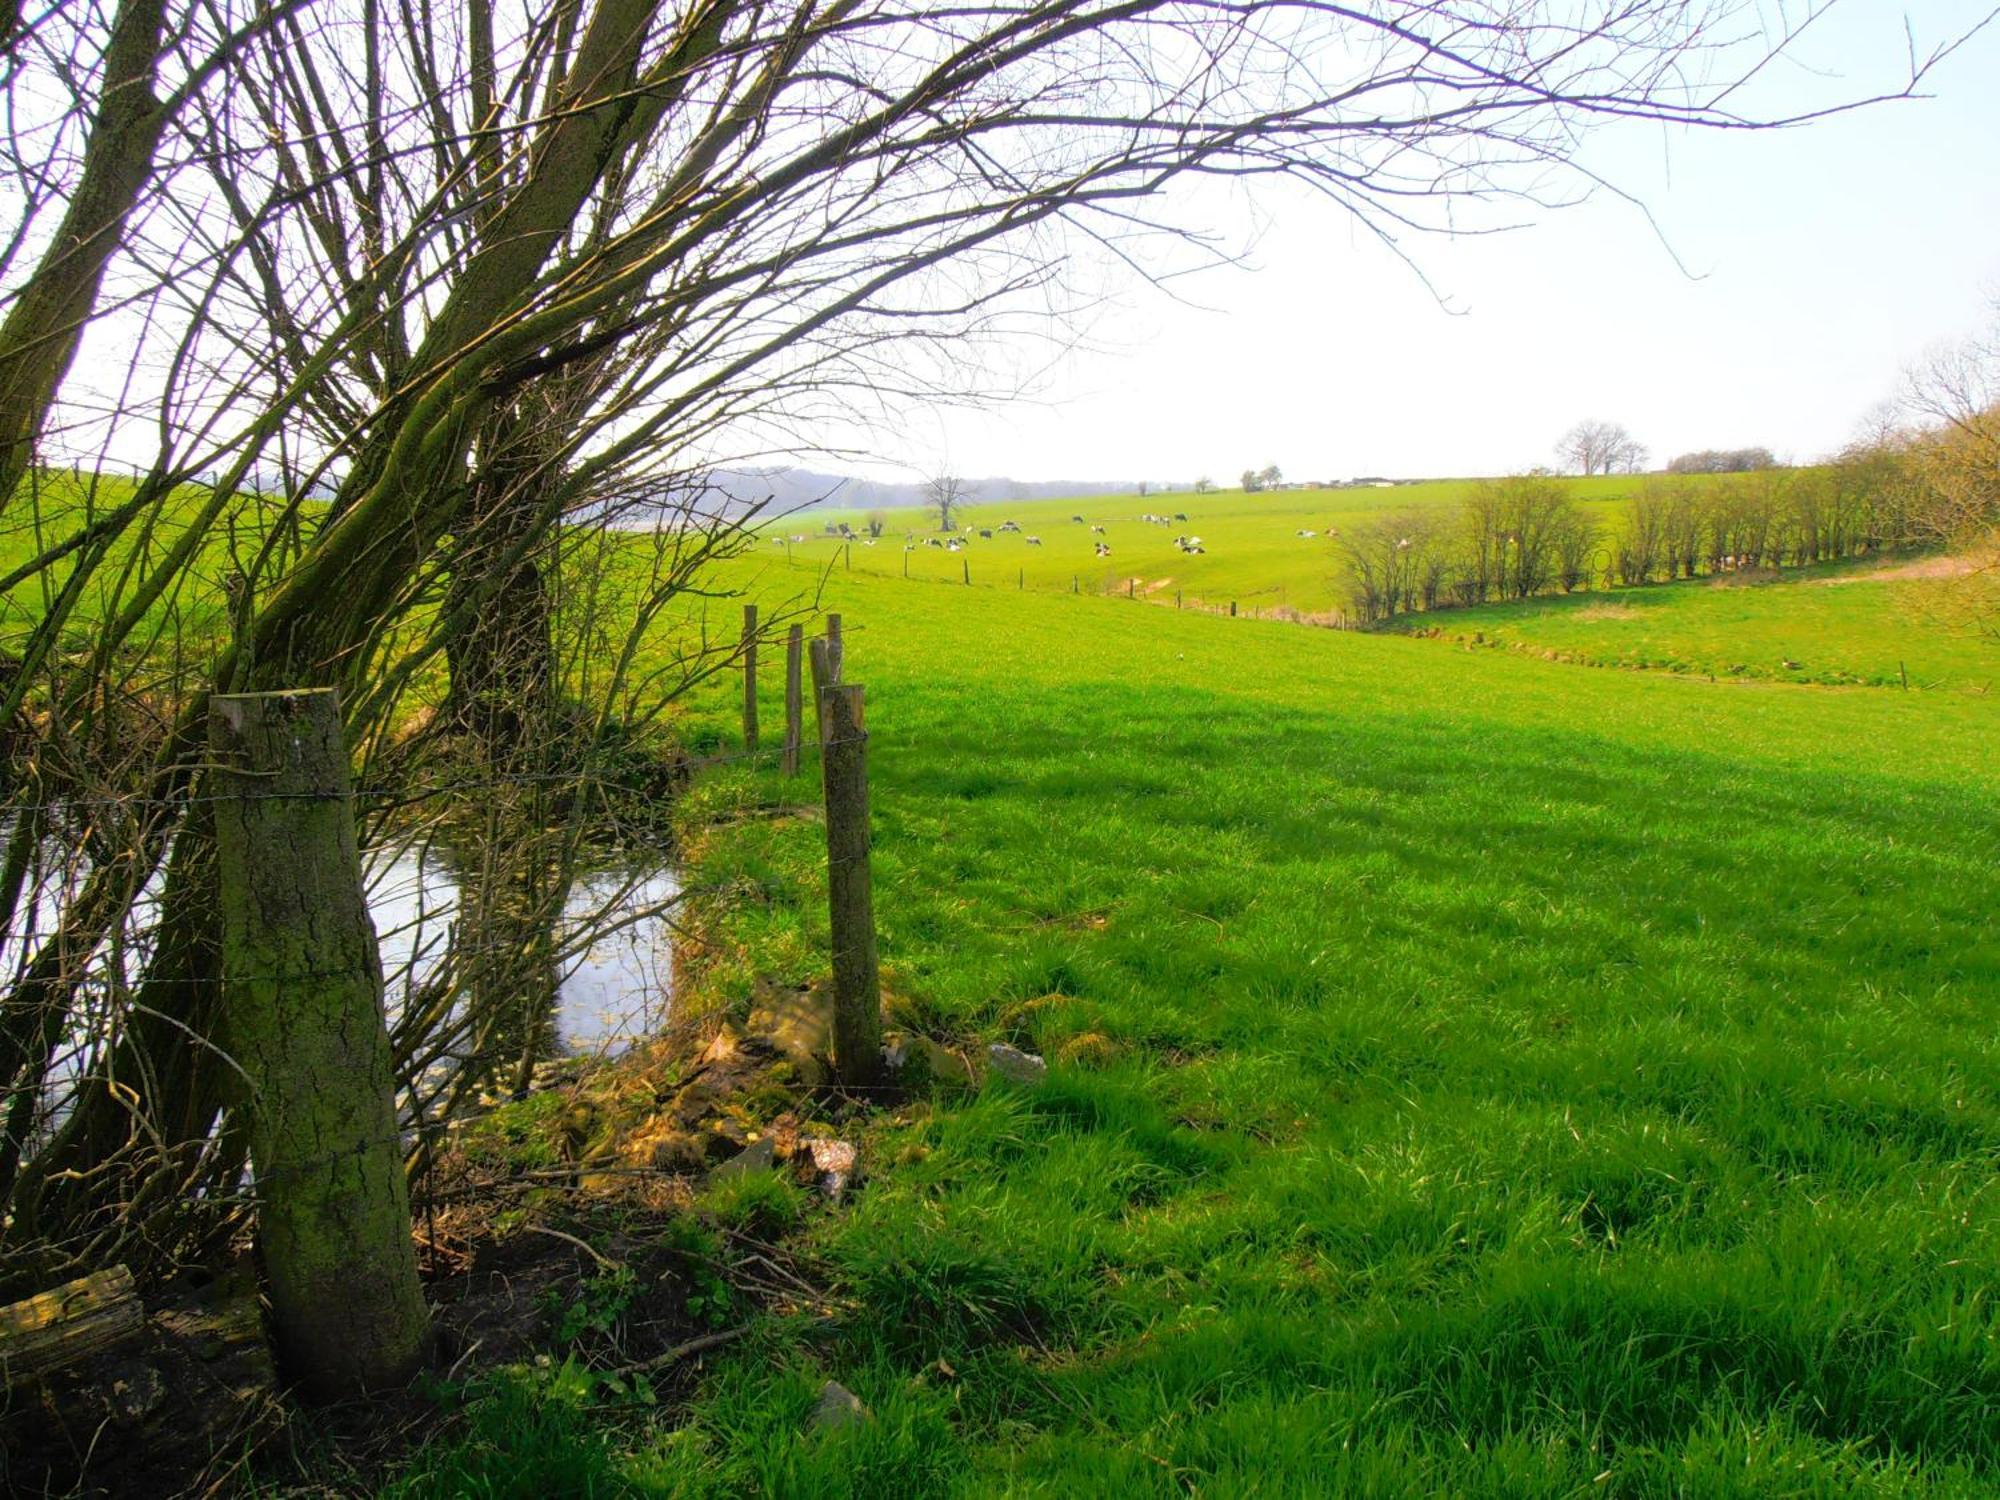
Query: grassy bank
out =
(1472, 1075)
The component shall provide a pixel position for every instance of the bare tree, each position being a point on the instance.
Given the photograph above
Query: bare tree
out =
(1598, 447)
(943, 495)
(1953, 460)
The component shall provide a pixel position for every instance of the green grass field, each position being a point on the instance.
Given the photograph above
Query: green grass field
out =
(1472, 1074)
(1872, 625)
(1253, 554)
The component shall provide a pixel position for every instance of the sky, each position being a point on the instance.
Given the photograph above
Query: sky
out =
(1766, 289)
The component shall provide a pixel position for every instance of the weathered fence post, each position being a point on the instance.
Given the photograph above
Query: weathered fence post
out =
(822, 678)
(1073, 587)
(1131, 588)
(1177, 598)
(966, 563)
(750, 678)
(857, 987)
(794, 651)
(302, 990)
(1232, 609)
(836, 650)
(1022, 581)
(848, 550)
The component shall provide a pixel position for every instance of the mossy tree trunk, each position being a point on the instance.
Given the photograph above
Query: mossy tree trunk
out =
(303, 1019)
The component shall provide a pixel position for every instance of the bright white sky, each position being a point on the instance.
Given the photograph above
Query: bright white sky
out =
(1818, 263)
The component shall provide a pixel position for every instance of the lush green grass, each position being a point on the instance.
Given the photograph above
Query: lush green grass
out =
(1504, 1079)
(1863, 624)
(1253, 555)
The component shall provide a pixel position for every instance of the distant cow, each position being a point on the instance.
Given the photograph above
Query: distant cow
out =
(1103, 550)
(1077, 519)
(1097, 530)
(1180, 515)
(986, 532)
(1034, 541)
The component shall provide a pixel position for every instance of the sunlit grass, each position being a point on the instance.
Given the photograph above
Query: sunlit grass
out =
(1856, 625)
(1508, 1078)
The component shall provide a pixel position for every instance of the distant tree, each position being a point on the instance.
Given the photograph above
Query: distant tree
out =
(1722, 461)
(875, 522)
(1143, 489)
(1953, 463)
(1597, 447)
(1252, 481)
(1270, 477)
(1204, 486)
(944, 495)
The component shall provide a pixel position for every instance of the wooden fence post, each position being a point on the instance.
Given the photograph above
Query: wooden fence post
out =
(794, 651)
(1177, 598)
(857, 987)
(817, 653)
(750, 678)
(966, 563)
(1022, 581)
(1073, 587)
(836, 651)
(1232, 609)
(302, 991)
(1131, 588)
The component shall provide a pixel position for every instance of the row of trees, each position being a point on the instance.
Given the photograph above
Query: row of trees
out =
(1509, 539)
(1515, 538)
(1721, 461)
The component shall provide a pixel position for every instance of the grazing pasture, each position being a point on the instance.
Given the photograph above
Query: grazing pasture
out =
(1251, 548)
(1874, 624)
(1471, 1074)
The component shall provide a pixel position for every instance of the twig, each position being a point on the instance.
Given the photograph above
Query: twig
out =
(598, 1256)
(699, 1345)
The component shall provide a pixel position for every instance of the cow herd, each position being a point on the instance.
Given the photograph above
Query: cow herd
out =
(959, 540)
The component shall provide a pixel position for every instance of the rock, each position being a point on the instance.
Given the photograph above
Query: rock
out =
(917, 1061)
(839, 1407)
(1089, 1049)
(833, 1164)
(136, 1389)
(798, 1025)
(1015, 1065)
(675, 1151)
(758, 1156)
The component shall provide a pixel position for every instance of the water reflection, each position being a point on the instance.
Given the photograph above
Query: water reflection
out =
(609, 991)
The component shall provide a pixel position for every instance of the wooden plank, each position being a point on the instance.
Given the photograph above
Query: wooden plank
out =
(68, 1324)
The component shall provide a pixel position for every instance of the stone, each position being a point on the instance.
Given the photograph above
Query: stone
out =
(798, 1026)
(1089, 1049)
(833, 1164)
(759, 1155)
(136, 1389)
(1015, 1065)
(917, 1061)
(839, 1407)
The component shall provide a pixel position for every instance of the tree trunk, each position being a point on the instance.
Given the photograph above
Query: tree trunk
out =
(42, 330)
